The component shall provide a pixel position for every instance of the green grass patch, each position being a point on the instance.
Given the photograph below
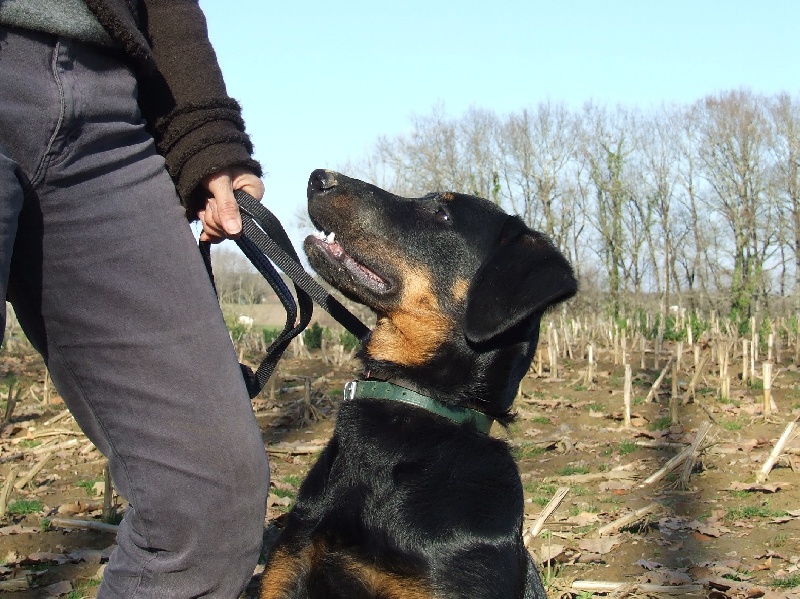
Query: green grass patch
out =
(779, 540)
(29, 443)
(732, 425)
(627, 447)
(742, 494)
(89, 486)
(82, 587)
(541, 420)
(285, 493)
(23, 507)
(540, 488)
(594, 407)
(549, 573)
(660, 424)
(787, 582)
(576, 510)
(729, 401)
(115, 517)
(583, 530)
(571, 470)
(521, 452)
(540, 500)
(753, 511)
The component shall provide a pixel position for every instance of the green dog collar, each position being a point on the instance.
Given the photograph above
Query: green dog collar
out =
(383, 390)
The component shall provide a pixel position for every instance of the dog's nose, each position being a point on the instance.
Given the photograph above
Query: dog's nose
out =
(321, 180)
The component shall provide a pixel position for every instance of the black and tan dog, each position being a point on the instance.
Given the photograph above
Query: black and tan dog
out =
(412, 498)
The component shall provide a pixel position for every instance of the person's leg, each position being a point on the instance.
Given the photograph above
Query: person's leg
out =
(135, 341)
(10, 205)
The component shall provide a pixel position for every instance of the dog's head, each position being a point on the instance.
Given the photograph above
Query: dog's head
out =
(458, 285)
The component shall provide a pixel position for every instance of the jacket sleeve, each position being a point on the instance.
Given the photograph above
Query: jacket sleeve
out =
(197, 127)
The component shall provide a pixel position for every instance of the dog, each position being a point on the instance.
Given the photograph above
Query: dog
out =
(411, 498)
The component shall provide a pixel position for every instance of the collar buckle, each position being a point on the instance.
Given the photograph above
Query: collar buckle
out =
(350, 390)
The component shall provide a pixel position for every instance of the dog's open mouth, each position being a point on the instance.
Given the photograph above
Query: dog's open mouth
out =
(360, 273)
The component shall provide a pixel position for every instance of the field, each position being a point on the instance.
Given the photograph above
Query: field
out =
(707, 527)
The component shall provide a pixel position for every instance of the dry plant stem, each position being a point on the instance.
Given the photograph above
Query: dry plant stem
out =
(654, 389)
(14, 585)
(60, 416)
(20, 484)
(678, 459)
(696, 445)
(763, 474)
(14, 392)
(58, 447)
(674, 412)
(83, 524)
(690, 392)
(55, 433)
(297, 449)
(6, 491)
(552, 505)
(109, 509)
(767, 372)
(661, 445)
(627, 395)
(674, 388)
(745, 359)
(590, 368)
(619, 523)
(600, 586)
(12, 457)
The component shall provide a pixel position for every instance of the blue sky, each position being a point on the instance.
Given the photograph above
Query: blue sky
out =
(321, 81)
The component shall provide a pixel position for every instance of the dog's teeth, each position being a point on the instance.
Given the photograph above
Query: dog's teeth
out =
(319, 234)
(331, 237)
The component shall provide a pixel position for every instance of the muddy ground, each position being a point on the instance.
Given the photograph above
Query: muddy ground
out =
(718, 533)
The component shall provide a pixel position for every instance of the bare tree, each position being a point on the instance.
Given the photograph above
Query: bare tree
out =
(733, 142)
(784, 112)
(659, 152)
(538, 145)
(606, 146)
(701, 202)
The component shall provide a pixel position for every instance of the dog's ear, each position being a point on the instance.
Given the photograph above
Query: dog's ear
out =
(524, 275)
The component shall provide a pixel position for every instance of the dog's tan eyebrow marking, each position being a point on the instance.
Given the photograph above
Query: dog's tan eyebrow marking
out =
(411, 333)
(460, 288)
(447, 196)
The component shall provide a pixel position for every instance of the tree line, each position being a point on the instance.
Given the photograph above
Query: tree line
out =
(694, 205)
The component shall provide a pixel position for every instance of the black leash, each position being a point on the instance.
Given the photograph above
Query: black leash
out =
(264, 241)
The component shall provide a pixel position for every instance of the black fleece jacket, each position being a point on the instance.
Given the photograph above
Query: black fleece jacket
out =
(197, 127)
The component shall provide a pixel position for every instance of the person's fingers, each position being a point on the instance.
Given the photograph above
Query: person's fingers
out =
(212, 229)
(226, 211)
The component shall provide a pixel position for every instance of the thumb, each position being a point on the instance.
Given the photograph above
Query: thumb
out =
(229, 215)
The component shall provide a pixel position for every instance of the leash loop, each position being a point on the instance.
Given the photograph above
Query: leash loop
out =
(264, 242)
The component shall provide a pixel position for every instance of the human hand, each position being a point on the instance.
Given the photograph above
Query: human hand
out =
(220, 217)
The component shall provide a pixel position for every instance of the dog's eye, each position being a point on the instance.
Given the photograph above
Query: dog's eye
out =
(442, 214)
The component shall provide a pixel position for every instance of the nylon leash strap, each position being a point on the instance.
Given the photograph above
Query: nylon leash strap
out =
(264, 241)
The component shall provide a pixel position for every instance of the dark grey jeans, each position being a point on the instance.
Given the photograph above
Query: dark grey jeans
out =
(104, 275)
